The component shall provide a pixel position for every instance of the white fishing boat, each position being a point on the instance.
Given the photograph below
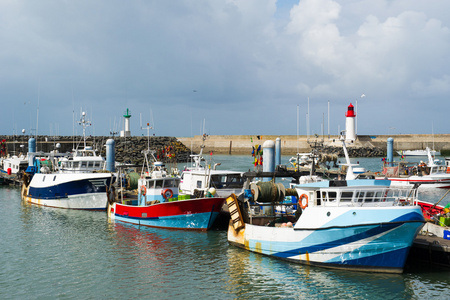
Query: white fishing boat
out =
(304, 160)
(75, 182)
(433, 174)
(201, 176)
(361, 224)
(423, 152)
(14, 164)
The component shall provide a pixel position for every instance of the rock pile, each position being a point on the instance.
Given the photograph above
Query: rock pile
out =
(352, 151)
(130, 150)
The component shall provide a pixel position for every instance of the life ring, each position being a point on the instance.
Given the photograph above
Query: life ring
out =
(300, 201)
(167, 193)
(143, 190)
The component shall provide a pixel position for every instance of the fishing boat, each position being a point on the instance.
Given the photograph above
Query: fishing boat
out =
(75, 182)
(198, 178)
(417, 152)
(159, 203)
(13, 164)
(433, 174)
(356, 224)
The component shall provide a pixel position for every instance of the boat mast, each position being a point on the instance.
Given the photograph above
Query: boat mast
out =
(84, 123)
(298, 125)
(350, 175)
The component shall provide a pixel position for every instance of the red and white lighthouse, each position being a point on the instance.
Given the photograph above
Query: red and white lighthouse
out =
(350, 134)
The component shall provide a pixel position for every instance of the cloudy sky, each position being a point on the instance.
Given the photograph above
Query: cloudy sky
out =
(239, 67)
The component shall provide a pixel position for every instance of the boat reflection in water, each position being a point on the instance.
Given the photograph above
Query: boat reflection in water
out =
(251, 273)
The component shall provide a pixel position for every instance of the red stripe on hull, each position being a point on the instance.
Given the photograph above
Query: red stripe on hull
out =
(182, 207)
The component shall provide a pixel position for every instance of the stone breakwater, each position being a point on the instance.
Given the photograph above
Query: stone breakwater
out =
(128, 150)
(352, 152)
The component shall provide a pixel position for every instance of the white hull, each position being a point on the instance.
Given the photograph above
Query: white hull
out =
(418, 152)
(425, 182)
(69, 190)
(85, 201)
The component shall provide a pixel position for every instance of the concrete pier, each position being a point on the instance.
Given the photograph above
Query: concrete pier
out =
(242, 144)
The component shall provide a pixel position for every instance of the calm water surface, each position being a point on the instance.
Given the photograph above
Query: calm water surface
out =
(53, 253)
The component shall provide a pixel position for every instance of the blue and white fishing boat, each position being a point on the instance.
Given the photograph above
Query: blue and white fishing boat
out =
(357, 224)
(76, 182)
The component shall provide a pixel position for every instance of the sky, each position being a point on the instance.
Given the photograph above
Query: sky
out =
(224, 67)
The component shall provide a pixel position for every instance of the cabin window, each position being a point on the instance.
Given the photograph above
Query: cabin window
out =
(234, 181)
(159, 184)
(83, 164)
(54, 178)
(346, 196)
(218, 181)
(75, 164)
(369, 196)
(170, 183)
(360, 196)
(199, 184)
(43, 179)
(332, 196)
(377, 197)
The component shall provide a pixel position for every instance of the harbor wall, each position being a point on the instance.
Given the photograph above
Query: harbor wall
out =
(290, 145)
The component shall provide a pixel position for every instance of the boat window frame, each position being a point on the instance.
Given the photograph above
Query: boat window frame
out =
(174, 182)
(158, 181)
(346, 199)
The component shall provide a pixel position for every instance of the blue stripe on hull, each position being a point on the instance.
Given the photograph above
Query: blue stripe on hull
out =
(71, 188)
(391, 259)
(360, 246)
(201, 221)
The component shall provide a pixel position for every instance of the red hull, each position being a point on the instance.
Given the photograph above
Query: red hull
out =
(429, 209)
(167, 209)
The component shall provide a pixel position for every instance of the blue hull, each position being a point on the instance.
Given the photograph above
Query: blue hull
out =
(383, 247)
(71, 188)
(200, 221)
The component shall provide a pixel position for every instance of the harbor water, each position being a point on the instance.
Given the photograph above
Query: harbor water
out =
(49, 253)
